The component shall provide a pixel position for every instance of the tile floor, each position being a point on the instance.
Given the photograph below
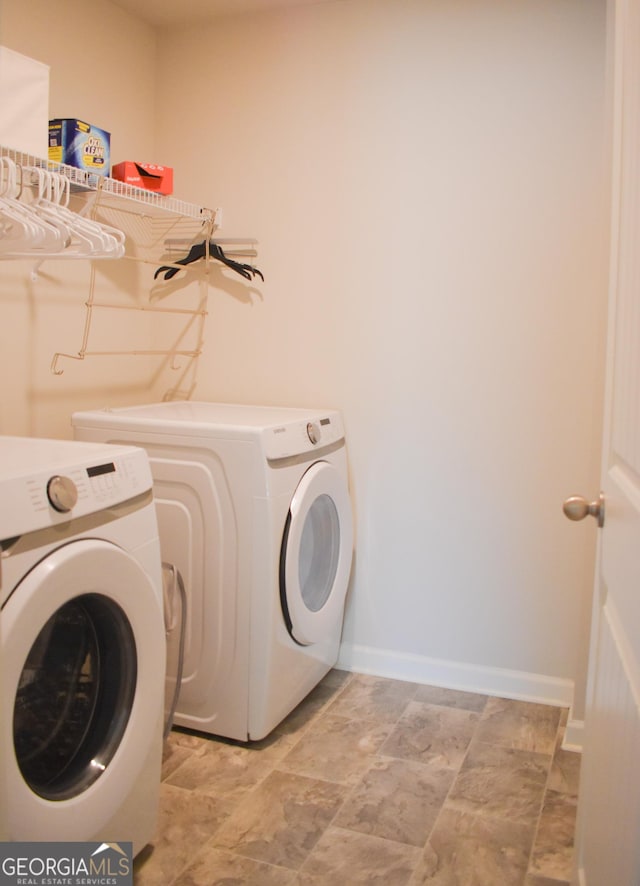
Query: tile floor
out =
(372, 781)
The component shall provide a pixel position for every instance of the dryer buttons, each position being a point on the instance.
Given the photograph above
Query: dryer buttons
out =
(62, 493)
(313, 432)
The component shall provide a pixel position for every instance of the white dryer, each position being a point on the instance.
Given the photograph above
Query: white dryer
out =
(254, 511)
(82, 643)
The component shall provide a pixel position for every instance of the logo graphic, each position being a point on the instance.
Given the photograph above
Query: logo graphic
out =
(66, 864)
(115, 846)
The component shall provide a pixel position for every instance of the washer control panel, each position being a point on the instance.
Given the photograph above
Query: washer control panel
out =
(82, 489)
(58, 484)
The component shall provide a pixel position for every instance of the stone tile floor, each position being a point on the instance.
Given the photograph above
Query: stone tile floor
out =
(371, 781)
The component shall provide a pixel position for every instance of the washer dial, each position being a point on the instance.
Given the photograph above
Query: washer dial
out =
(62, 493)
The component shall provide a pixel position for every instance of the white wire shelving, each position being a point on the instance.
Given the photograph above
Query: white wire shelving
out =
(82, 180)
(148, 222)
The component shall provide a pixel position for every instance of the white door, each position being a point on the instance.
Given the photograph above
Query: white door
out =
(608, 832)
(315, 560)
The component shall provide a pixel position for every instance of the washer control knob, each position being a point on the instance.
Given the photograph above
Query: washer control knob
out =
(62, 493)
(313, 432)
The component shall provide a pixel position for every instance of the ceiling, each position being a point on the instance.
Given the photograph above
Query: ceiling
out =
(169, 13)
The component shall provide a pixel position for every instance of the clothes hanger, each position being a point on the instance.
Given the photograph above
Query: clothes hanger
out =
(111, 240)
(84, 238)
(200, 250)
(23, 233)
(58, 236)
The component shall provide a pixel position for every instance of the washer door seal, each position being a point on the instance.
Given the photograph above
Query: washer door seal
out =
(316, 553)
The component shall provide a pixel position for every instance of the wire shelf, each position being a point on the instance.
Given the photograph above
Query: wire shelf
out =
(151, 202)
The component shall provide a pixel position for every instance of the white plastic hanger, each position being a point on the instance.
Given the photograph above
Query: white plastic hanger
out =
(45, 227)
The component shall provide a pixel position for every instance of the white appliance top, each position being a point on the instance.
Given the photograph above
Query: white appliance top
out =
(47, 482)
(283, 431)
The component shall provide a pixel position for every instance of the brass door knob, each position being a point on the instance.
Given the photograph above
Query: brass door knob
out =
(576, 507)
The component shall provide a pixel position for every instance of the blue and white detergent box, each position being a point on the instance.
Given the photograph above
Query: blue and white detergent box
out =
(80, 144)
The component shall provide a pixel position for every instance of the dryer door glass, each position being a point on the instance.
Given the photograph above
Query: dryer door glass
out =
(315, 558)
(74, 696)
(319, 550)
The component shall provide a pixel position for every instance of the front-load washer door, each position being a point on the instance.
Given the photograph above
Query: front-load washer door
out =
(315, 560)
(82, 689)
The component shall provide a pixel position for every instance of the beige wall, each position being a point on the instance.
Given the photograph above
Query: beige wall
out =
(102, 70)
(102, 65)
(424, 179)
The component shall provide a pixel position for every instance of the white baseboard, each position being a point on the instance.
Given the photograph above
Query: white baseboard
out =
(458, 675)
(574, 735)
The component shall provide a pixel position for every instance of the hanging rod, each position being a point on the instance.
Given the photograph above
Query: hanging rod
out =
(182, 244)
(133, 353)
(151, 309)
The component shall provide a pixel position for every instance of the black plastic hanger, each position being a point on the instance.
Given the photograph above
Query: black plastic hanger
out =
(200, 250)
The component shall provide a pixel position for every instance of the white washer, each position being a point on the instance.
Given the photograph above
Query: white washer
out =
(254, 511)
(82, 643)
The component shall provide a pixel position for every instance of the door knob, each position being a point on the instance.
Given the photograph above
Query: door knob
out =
(577, 508)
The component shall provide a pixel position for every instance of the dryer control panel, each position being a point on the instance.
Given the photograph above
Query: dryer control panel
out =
(298, 438)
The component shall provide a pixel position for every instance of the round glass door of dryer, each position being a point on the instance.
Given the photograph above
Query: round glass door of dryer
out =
(315, 559)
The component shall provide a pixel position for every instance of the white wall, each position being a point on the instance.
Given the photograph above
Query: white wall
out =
(424, 178)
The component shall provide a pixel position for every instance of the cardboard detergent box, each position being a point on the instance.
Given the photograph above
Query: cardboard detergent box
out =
(149, 176)
(80, 144)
